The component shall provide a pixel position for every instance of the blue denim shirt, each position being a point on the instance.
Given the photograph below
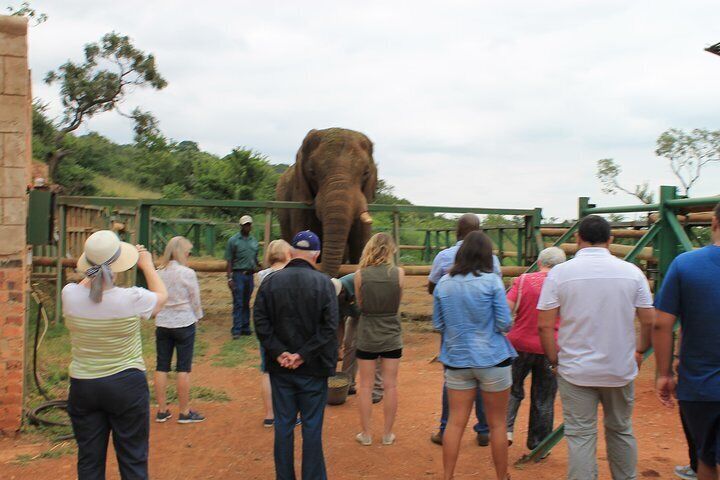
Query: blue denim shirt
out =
(472, 315)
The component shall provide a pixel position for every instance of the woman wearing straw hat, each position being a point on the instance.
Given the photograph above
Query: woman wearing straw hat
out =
(175, 329)
(108, 388)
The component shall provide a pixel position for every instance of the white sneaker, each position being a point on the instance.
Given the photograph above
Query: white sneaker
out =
(388, 439)
(685, 472)
(364, 440)
(510, 438)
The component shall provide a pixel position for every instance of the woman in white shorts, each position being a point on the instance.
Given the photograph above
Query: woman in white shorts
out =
(471, 313)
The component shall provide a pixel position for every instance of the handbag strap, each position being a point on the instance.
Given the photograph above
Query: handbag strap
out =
(519, 296)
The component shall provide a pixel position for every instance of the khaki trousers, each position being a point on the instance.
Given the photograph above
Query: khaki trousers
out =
(580, 412)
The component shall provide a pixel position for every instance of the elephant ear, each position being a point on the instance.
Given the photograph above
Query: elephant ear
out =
(370, 185)
(303, 189)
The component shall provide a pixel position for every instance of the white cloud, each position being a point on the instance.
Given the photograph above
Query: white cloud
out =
(496, 103)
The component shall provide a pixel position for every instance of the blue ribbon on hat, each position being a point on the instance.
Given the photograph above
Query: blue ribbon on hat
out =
(100, 275)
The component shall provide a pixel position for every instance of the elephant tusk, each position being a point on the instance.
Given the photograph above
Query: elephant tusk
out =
(366, 218)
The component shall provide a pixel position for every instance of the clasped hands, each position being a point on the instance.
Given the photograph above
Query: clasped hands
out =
(290, 360)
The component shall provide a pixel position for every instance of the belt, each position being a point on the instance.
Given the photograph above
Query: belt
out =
(245, 272)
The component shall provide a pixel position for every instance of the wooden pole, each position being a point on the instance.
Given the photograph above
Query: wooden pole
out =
(59, 264)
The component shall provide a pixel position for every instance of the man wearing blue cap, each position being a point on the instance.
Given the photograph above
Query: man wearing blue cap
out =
(296, 320)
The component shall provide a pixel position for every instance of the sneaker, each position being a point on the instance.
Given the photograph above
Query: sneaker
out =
(436, 438)
(510, 438)
(163, 417)
(268, 422)
(298, 422)
(377, 400)
(236, 337)
(388, 439)
(352, 391)
(685, 472)
(363, 440)
(191, 417)
(483, 439)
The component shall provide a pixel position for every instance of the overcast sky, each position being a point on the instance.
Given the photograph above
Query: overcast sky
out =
(492, 103)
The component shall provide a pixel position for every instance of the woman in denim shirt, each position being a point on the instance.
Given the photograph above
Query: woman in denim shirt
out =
(472, 315)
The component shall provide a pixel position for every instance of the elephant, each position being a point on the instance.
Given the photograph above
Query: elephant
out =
(334, 170)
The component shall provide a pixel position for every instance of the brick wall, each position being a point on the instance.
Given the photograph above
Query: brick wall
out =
(15, 164)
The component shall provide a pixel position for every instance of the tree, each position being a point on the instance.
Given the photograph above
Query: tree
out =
(608, 172)
(25, 10)
(688, 153)
(112, 67)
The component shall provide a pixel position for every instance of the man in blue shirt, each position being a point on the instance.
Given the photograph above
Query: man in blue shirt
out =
(444, 260)
(691, 292)
(241, 254)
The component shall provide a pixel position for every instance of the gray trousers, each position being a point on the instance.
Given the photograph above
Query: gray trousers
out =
(580, 411)
(349, 365)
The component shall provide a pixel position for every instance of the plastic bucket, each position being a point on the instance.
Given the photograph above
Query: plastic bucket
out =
(338, 387)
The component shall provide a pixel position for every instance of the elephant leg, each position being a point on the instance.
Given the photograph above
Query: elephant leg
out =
(359, 235)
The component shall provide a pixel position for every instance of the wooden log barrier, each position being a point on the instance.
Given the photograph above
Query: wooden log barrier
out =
(220, 265)
(617, 233)
(617, 250)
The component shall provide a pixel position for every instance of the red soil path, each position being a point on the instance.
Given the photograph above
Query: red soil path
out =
(233, 444)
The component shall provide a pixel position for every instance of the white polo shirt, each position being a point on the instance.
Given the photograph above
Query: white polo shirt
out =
(597, 295)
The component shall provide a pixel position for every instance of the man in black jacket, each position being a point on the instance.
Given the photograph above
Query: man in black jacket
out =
(296, 320)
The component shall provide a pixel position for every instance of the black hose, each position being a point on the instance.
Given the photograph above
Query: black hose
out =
(34, 415)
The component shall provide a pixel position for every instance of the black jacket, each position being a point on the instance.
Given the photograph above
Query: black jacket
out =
(296, 311)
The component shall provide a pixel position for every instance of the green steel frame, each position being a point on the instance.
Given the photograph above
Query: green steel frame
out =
(668, 237)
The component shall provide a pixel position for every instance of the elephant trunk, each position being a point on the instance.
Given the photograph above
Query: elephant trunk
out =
(337, 216)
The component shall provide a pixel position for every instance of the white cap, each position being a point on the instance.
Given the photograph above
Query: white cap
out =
(245, 219)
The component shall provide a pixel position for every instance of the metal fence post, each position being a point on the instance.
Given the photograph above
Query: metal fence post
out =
(666, 242)
(396, 236)
(267, 234)
(501, 248)
(144, 231)
(58, 266)
(210, 239)
(196, 238)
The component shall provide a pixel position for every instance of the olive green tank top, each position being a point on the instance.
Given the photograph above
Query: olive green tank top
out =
(379, 328)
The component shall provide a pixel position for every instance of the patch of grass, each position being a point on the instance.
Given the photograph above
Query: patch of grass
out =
(234, 353)
(64, 448)
(203, 394)
(112, 187)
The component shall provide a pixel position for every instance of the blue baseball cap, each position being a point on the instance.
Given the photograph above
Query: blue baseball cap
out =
(306, 240)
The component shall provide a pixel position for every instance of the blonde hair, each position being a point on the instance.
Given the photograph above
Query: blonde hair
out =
(276, 251)
(178, 249)
(379, 250)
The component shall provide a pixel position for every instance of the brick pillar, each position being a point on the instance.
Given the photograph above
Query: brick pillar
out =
(15, 164)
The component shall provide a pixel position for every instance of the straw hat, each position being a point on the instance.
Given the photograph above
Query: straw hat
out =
(102, 246)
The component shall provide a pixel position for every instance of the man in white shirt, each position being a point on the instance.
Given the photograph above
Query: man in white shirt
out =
(597, 356)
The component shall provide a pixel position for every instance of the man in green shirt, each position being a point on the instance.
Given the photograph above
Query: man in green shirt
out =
(241, 254)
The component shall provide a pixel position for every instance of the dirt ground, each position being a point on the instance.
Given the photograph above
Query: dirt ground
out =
(232, 443)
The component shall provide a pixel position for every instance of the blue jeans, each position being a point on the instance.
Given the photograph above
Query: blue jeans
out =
(308, 396)
(480, 427)
(241, 302)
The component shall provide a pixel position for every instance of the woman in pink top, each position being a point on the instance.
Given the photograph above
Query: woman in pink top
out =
(522, 299)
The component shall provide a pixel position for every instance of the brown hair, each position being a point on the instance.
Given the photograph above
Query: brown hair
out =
(474, 256)
(276, 251)
(379, 250)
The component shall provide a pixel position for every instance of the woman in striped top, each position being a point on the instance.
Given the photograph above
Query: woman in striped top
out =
(108, 388)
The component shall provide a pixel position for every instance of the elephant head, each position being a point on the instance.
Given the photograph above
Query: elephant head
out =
(334, 168)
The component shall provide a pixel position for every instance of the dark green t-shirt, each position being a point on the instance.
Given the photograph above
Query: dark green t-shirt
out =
(242, 252)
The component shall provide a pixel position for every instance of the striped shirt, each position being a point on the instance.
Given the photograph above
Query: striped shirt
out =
(105, 337)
